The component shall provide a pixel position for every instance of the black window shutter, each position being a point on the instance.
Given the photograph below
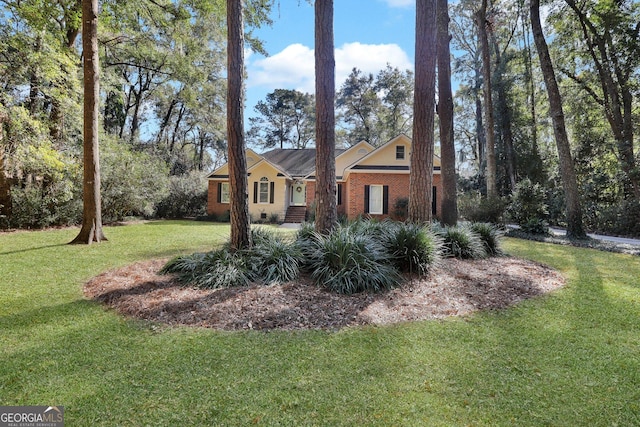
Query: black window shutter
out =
(433, 200)
(272, 187)
(366, 199)
(385, 199)
(339, 194)
(255, 192)
(219, 192)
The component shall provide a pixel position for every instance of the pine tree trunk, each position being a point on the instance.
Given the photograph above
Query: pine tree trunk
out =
(91, 230)
(239, 186)
(445, 114)
(567, 170)
(5, 185)
(326, 213)
(481, 20)
(421, 175)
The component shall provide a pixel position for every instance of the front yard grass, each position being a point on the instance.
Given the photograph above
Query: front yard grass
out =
(568, 358)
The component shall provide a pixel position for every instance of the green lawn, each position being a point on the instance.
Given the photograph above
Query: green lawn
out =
(571, 358)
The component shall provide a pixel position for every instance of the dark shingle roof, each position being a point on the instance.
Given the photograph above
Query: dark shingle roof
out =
(295, 162)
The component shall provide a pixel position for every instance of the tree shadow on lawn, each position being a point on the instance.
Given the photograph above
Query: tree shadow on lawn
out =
(36, 248)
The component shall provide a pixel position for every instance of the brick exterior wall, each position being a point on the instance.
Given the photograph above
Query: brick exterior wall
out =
(352, 194)
(213, 207)
(398, 188)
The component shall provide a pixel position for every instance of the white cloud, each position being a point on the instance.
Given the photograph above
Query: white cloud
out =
(293, 67)
(400, 3)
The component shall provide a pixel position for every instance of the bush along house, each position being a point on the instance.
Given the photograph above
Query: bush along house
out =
(371, 183)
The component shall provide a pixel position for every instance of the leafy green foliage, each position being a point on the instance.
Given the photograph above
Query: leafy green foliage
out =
(187, 196)
(528, 208)
(287, 119)
(274, 260)
(211, 270)
(461, 242)
(347, 262)
(412, 248)
(132, 181)
(490, 235)
(475, 207)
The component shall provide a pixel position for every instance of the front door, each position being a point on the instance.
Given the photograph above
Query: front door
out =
(299, 196)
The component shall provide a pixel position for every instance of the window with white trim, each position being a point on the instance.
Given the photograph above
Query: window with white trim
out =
(375, 199)
(224, 192)
(399, 152)
(263, 190)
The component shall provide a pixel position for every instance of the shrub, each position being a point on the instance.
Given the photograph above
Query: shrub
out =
(37, 206)
(490, 236)
(401, 208)
(370, 227)
(535, 226)
(274, 218)
(476, 208)
(133, 182)
(528, 207)
(187, 196)
(412, 248)
(462, 242)
(275, 261)
(211, 270)
(348, 262)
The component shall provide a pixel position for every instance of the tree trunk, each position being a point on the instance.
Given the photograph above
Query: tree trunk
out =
(481, 21)
(91, 230)
(421, 175)
(445, 114)
(567, 171)
(504, 117)
(5, 185)
(326, 213)
(239, 186)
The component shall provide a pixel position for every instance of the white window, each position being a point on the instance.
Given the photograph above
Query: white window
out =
(375, 199)
(224, 192)
(264, 190)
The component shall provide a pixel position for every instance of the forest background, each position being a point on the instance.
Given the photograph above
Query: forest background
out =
(163, 88)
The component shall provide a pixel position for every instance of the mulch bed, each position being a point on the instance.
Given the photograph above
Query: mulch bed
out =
(455, 288)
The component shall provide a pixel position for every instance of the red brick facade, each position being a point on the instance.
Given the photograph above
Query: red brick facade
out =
(353, 194)
(213, 206)
(398, 187)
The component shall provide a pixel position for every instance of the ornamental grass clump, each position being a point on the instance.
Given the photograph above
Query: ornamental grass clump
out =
(348, 262)
(490, 235)
(462, 242)
(412, 248)
(271, 260)
(211, 270)
(274, 261)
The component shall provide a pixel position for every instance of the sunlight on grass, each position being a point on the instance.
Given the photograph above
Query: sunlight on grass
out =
(568, 358)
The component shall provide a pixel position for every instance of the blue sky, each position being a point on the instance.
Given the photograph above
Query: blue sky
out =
(368, 34)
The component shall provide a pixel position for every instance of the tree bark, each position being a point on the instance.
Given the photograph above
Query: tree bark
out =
(421, 175)
(567, 170)
(481, 21)
(5, 185)
(445, 114)
(239, 186)
(91, 230)
(326, 213)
